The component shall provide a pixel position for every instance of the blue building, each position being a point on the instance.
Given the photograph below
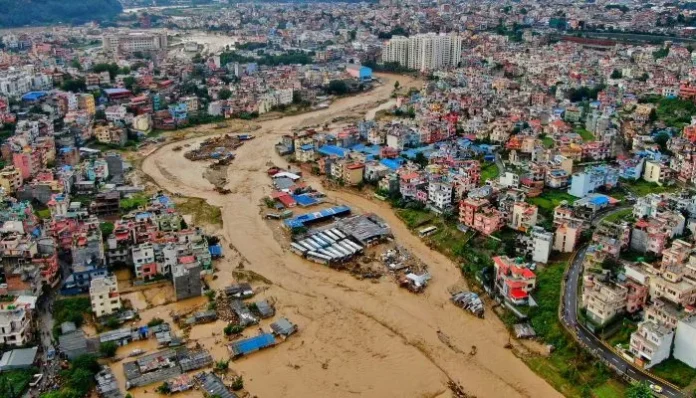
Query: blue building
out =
(362, 73)
(81, 278)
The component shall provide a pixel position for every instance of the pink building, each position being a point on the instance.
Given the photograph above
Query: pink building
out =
(480, 215)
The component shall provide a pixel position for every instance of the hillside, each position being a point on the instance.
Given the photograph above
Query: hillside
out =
(42, 12)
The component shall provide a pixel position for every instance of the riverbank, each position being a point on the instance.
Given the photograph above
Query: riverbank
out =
(371, 339)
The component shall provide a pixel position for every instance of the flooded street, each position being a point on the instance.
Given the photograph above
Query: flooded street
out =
(357, 337)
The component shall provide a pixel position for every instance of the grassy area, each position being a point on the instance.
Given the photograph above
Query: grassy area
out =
(43, 214)
(585, 134)
(547, 142)
(489, 172)
(415, 218)
(642, 187)
(200, 210)
(548, 200)
(623, 335)
(675, 372)
(610, 389)
(14, 382)
(70, 310)
(622, 215)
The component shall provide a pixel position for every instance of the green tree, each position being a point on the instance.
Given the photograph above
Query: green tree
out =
(164, 388)
(75, 63)
(108, 349)
(616, 74)
(106, 229)
(238, 383)
(338, 87)
(74, 85)
(661, 140)
(639, 390)
(396, 85)
(225, 94)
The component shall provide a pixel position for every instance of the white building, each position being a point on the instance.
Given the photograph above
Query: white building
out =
(651, 343)
(685, 341)
(538, 244)
(15, 326)
(136, 41)
(17, 82)
(143, 254)
(103, 293)
(509, 180)
(428, 51)
(440, 195)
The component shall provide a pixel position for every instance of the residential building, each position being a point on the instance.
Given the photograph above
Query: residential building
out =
(104, 296)
(428, 51)
(656, 172)
(651, 343)
(593, 178)
(685, 341)
(524, 216)
(513, 280)
(603, 300)
(537, 244)
(567, 236)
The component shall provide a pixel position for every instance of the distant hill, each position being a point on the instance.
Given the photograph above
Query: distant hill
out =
(15, 13)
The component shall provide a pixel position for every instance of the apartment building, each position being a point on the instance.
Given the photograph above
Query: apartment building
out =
(651, 343)
(480, 215)
(592, 178)
(603, 300)
(10, 179)
(656, 172)
(104, 295)
(144, 261)
(424, 52)
(134, 42)
(15, 326)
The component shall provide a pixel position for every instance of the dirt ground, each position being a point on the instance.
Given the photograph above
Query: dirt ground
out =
(356, 338)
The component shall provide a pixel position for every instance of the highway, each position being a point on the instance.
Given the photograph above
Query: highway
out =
(569, 317)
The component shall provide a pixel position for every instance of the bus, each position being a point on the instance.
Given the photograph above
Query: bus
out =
(427, 231)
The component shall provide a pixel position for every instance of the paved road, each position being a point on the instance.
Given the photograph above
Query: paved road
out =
(570, 318)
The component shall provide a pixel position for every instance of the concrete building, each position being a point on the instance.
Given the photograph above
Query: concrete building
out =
(134, 42)
(656, 172)
(537, 244)
(567, 236)
(651, 343)
(186, 276)
(104, 296)
(513, 280)
(685, 341)
(592, 178)
(603, 301)
(15, 326)
(428, 51)
(524, 216)
(10, 179)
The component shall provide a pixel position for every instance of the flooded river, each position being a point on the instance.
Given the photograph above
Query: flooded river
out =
(357, 337)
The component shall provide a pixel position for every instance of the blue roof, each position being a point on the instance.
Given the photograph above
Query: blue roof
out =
(599, 200)
(299, 221)
(252, 344)
(215, 250)
(33, 95)
(393, 164)
(307, 147)
(411, 153)
(332, 150)
(370, 150)
(304, 200)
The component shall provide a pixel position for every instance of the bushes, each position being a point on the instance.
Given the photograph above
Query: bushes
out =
(70, 310)
(155, 321)
(108, 349)
(238, 383)
(79, 379)
(233, 329)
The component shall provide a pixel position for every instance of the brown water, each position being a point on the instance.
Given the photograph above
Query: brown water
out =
(356, 338)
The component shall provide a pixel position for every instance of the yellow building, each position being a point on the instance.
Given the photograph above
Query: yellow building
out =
(10, 179)
(86, 103)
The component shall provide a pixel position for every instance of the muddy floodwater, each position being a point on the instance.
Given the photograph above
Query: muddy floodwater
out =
(357, 337)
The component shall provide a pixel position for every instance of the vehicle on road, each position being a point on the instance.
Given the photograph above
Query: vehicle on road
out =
(656, 388)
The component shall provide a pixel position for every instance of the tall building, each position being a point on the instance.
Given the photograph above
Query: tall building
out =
(138, 41)
(104, 296)
(428, 51)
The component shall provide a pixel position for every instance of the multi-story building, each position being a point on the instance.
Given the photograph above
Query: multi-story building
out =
(513, 280)
(567, 236)
(603, 300)
(537, 244)
(524, 216)
(135, 42)
(104, 296)
(685, 341)
(10, 179)
(651, 343)
(592, 178)
(428, 51)
(656, 172)
(15, 325)
(480, 215)
(144, 261)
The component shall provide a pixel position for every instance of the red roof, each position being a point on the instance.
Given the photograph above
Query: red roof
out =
(518, 293)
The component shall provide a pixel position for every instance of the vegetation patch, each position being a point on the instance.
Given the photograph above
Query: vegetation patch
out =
(201, 211)
(675, 372)
(489, 172)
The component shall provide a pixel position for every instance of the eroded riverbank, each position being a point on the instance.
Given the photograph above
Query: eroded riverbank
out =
(357, 337)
